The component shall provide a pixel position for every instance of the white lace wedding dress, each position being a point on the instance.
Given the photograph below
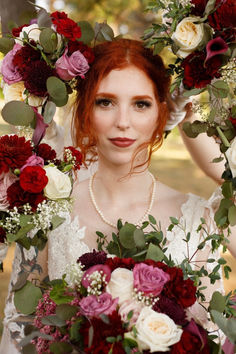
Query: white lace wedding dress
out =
(68, 242)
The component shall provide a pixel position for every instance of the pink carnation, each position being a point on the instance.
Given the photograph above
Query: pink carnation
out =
(93, 305)
(9, 70)
(33, 160)
(148, 279)
(6, 180)
(68, 67)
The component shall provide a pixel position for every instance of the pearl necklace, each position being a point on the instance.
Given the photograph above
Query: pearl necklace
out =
(100, 213)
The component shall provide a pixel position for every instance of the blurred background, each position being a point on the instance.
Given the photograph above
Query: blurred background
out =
(172, 164)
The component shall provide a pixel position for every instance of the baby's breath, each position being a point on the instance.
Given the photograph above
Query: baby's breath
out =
(149, 300)
(74, 274)
(228, 72)
(97, 280)
(12, 222)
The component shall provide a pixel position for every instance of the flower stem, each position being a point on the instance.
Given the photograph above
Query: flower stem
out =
(223, 137)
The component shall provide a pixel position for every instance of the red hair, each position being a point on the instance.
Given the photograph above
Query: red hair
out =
(118, 55)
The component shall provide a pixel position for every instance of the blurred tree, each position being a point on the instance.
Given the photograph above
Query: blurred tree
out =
(15, 12)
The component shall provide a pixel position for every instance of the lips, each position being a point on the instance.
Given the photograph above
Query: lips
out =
(122, 142)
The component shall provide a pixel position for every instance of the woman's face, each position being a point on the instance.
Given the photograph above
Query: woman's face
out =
(125, 114)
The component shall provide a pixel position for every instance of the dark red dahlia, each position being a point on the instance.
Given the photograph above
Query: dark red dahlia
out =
(76, 155)
(117, 262)
(46, 152)
(171, 309)
(199, 7)
(2, 235)
(35, 76)
(24, 57)
(17, 30)
(189, 343)
(17, 197)
(92, 258)
(87, 52)
(14, 151)
(66, 26)
(196, 75)
(33, 179)
(224, 16)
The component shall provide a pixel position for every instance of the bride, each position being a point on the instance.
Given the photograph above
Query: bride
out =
(120, 115)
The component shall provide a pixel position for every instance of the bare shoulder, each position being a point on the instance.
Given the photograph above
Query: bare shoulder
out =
(80, 193)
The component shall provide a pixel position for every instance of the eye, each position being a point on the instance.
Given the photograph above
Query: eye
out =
(142, 104)
(103, 102)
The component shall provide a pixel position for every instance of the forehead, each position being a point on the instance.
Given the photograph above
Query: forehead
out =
(129, 81)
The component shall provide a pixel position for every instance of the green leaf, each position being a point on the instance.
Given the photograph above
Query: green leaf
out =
(6, 44)
(21, 281)
(232, 215)
(44, 19)
(61, 348)
(17, 113)
(53, 320)
(48, 40)
(66, 311)
(103, 32)
(209, 7)
(57, 91)
(227, 189)
(49, 112)
(219, 319)
(193, 92)
(113, 248)
(158, 47)
(233, 111)
(126, 235)
(26, 299)
(139, 238)
(21, 233)
(29, 349)
(25, 220)
(152, 219)
(56, 221)
(231, 330)
(218, 159)
(174, 220)
(154, 252)
(217, 302)
(220, 89)
(87, 32)
(187, 128)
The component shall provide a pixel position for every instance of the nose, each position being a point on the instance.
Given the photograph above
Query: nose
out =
(122, 118)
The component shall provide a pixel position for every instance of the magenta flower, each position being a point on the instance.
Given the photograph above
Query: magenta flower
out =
(148, 279)
(40, 129)
(93, 306)
(68, 67)
(9, 70)
(33, 160)
(99, 269)
(215, 46)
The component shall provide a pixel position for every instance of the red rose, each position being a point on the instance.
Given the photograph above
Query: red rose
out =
(199, 7)
(189, 344)
(33, 179)
(46, 152)
(17, 197)
(66, 26)
(77, 156)
(196, 75)
(17, 30)
(224, 16)
(2, 235)
(14, 151)
(87, 52)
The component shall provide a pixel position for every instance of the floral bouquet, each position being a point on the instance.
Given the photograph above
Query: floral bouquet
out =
(42, 65)
(138, 304)
(35, 190)
(201, 36)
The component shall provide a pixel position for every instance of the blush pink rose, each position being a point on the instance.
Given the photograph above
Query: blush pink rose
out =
(33, 160)
(148, 279)
(68, 67)
(128, 306)
(104, 269)
(8, 69)
(6, 180)
(93, 305)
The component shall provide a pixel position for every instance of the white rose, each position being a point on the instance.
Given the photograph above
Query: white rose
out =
(231, 156)
(156, 331)
(59, 184)
(121, 284)
(32, 31)
(188, 35)
(15, 92)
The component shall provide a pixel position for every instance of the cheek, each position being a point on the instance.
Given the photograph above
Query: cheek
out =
(100, 123)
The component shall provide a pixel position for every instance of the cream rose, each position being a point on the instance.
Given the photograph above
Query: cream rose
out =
(231, 156)
(156, 331)
(15, 92)
(121, 284)
(32, 31)
(188, 35)
(59, 184)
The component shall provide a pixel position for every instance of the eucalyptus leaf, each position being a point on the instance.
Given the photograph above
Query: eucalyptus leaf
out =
(152, 219)
(103, 32)
(187, 128)
(158, 47)
(56, 221)
(43, 18)
(232, 215)
(57, 91)
(227, 189)
(21, 233)
(193, 92)
(49, 112)
(126, 235)
(233, 111)
(231, 330)
(48, 40)
(28, 338)
(6, 44)
(26, 299)
(154, 253)
(17, 113)
(21, 281)
(139, 238)
(219, 319)
(53, 320)
(217, 302)
(210, 6)
(29, 349)
(220, 89)
(66, 311)
(87, 32)
(25, 220)
(61, 348)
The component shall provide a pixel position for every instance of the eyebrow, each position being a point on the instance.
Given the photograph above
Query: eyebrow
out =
(110, 95)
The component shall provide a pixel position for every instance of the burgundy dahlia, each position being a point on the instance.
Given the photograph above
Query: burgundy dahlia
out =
(199, 7)
(46, 152)
(24, 58)
(17, 197)
(224, 16)
(92, 258)
(2, 235)
(14, 151)
(171, 309)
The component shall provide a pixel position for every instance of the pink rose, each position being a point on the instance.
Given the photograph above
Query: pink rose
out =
(93, 306)
(128, 306)
(99, 268)
(8, 69)
(33, 160)
(6, 180)
(68, 67)
(148, 279)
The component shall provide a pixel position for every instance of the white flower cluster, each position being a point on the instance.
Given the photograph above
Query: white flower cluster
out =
(185, 3)
(74, 274)
(200, 108)
(229, 72)
(12, 222)
(144, 299)
(97, 281)
(47, 210)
